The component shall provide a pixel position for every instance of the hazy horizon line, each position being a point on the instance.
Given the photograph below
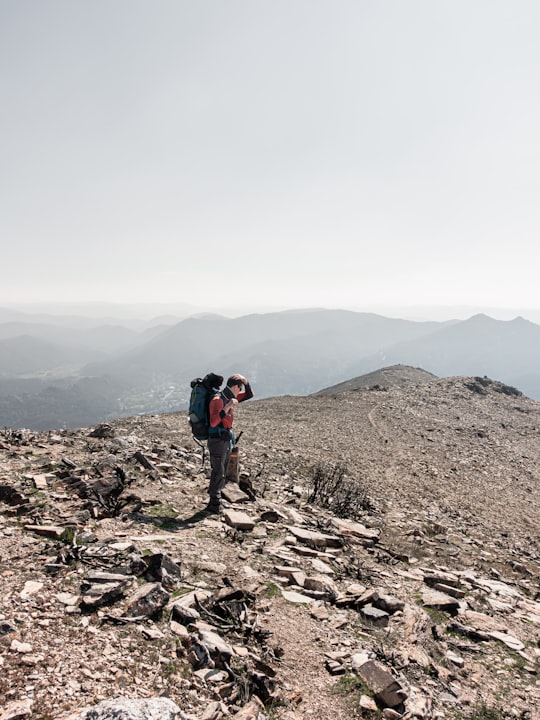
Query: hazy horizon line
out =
(153, 309)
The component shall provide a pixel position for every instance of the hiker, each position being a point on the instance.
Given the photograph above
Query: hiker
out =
(221, 436)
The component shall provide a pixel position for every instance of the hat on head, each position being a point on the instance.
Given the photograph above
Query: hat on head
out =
(236, 379)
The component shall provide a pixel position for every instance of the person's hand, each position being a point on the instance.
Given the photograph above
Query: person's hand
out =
(239, 378)
(229, 406)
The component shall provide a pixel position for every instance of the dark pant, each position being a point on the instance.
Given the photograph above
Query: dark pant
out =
(220, 450)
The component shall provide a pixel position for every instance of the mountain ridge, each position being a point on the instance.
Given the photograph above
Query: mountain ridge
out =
(423, 603)
(292, 352)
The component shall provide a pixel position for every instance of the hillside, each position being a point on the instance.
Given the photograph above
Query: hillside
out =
(26, 354)
(295, 352)
(395, 375)
(425, 605)
(288, 352)
(507, 350)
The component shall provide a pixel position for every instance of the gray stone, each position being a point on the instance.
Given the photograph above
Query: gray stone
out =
(439, 600)
(359, 659)
(386, 689)
(484, 623)
(211, 675)
(321, 567)
(449, 590)
(232, 493)
(152, 632)
(273, 516)
(31, 587)
(298, 578)
(40, 481)
(178, 629)
(296, 597)
(147, 601)
(323, 585)
(455, 659)
(68, 599)
(315, 538)
(97, 576)
(435, 577)
(185, 615)
(126, 709)
(356, 529)
(334, 667)
(238, 520)
(374, 617)
(508, 640)
(368, 703)
(104, 593)
(50, 531)
(319, 613)
(163, 569)
(214, 643)
(191, 599)
(286, 570)
(389, 603)
(20, 647)
(214, 711)
(212, 567)
(17, 709)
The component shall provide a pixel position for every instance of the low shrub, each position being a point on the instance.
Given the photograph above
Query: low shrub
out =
(333, 489)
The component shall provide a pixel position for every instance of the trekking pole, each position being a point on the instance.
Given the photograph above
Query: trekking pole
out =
(237, 438)
(203, 448)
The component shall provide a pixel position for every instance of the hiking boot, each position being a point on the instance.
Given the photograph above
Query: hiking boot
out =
(213, 508)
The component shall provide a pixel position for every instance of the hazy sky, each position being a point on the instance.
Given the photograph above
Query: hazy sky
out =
(339, 153)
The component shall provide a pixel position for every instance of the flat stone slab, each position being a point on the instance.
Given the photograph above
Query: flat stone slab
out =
(238, 520)
(128, 709)
(214, 643)
(17, 709)
(31, 587)
(484, 623)
(68, 598)
(211, 676)
(440, 600)
(508, 640)
(374, 616)
(40, 481)
(147, 601)
(383, 684)
(50, 531)
(296, 597)
(321, 567)
(315, 538)
(295, 516)
(435, 577)
(389, 603)
(233, 494)
(449, 590)
(349, 527)
(286, 570)
(96, 576)
(104, 593)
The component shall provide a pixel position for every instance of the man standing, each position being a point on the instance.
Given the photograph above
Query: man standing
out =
(221, 437)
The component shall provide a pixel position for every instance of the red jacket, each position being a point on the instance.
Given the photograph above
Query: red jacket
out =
(221, 418)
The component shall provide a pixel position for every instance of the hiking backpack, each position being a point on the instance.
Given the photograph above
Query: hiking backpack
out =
(202, 391)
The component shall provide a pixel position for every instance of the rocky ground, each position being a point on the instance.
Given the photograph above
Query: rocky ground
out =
(380, 556)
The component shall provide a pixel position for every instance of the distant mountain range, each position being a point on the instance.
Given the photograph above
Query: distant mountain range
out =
(57, 374)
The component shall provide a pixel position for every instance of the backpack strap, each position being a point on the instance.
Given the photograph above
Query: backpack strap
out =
(217, 430)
